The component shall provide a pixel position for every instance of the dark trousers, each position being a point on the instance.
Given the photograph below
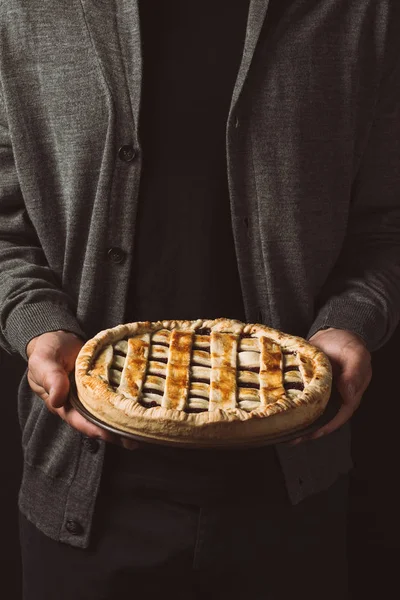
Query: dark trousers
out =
(152, 540)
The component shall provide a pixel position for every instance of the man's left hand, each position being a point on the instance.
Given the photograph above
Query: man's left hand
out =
(352, 372)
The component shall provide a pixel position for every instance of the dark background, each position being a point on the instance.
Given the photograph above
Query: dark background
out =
(374, 516)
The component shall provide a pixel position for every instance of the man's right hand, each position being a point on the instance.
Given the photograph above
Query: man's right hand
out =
(51, 359)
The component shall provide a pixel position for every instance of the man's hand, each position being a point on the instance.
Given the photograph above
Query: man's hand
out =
(51, 358)
(352, 372)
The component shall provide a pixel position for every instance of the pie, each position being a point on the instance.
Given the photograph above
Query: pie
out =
(203, 383)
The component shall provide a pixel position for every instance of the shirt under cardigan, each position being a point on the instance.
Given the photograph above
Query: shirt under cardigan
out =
(184, 260)
(313, 166)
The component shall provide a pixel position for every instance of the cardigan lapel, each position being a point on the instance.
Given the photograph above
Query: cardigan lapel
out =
(257, 14)
(115, 31)
(128, 23)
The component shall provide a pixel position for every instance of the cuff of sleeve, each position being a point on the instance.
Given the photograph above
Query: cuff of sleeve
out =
(30, 320)
(358, 317)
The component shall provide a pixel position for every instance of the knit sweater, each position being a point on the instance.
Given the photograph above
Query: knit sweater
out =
(313, 165)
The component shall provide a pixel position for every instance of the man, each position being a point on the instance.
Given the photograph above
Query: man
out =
(185, 160)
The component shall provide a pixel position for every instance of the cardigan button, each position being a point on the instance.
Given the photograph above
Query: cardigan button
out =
(127, 153)
(73, 527)
(116, 255)
(91, 445)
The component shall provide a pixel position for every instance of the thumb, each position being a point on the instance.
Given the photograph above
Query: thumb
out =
(352, 378)
(49, 380)
(51, 357)
(56, 385)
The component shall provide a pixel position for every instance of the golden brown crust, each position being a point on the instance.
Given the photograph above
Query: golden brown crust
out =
(219, 426)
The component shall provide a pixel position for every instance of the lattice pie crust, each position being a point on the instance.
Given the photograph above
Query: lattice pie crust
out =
(209, 382)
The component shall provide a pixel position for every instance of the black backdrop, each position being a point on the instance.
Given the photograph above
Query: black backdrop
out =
(374, 516)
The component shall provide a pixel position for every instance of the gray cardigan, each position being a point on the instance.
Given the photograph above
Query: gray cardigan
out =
(314, 177)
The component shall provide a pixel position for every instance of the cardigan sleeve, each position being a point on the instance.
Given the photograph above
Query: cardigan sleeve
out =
(31, 301)
(363, 292)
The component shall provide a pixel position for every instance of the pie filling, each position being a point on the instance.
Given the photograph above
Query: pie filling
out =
(200, 371)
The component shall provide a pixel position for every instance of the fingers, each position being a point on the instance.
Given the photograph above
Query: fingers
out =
(344, 414)
(129, 444)
(351, 399)
(71, 416)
